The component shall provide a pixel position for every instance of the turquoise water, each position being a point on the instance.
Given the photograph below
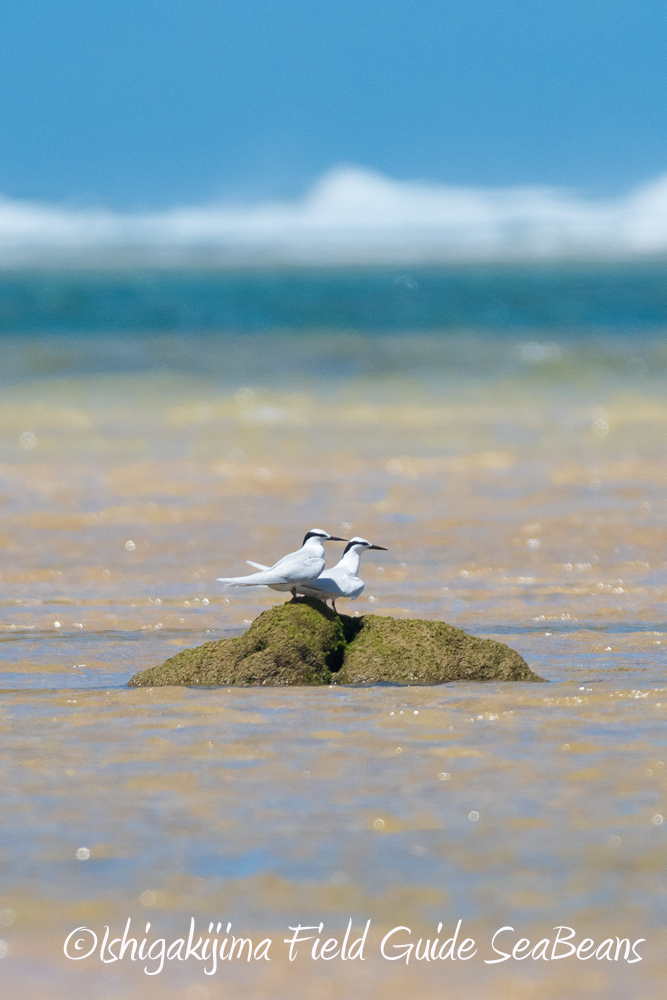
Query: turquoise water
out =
(493, 297)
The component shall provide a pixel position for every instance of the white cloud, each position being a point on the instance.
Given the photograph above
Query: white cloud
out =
(351, 215)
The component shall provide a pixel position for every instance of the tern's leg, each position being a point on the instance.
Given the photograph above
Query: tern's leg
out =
(333, 605)
(294, 593)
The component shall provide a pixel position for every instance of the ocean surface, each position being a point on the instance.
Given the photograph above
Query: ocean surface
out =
(503, 431)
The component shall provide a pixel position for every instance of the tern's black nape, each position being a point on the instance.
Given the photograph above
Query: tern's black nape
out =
(365, 543)
(324, 535)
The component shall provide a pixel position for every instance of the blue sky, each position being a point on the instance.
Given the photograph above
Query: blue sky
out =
(148, 103)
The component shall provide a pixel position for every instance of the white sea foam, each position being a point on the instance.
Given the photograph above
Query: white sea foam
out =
(350, 215)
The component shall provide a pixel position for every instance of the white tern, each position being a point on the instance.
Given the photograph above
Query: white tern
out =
(302, 566)
(339, 581)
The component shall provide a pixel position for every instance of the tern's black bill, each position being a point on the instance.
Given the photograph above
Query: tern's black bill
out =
(334, 538)
(380, 547)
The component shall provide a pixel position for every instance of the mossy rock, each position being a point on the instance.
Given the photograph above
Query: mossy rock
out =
(414, 651)
(299, 642)
(305, 642)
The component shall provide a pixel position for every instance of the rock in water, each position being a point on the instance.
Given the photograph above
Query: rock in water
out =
(414, 651)
(305, 642)
(299, 642)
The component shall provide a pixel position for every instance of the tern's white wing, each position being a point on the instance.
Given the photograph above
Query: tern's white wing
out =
(262, 579)
(257, 565)
(322, 588)
(294, 568)
(300, 565)
(334, 584)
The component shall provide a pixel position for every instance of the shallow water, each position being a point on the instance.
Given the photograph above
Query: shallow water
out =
(518, 482)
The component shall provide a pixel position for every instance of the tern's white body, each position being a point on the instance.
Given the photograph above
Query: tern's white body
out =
(342, 579)
(339, 581)
(302, 566)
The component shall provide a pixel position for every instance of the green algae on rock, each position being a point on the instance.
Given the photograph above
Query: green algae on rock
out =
(305, 642)
(295, 643)
(414, 651)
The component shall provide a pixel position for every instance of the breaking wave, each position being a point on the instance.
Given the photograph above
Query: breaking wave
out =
(350, 215)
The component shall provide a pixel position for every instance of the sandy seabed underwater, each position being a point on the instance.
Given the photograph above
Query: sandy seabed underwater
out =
(509, 452)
